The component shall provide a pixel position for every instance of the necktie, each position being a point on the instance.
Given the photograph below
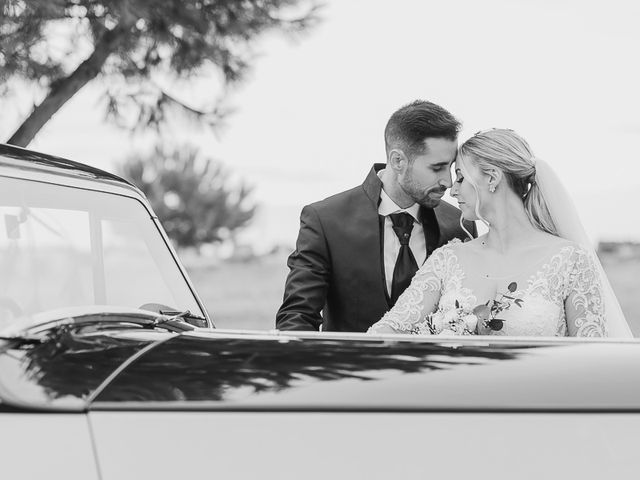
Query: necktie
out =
(406, 265)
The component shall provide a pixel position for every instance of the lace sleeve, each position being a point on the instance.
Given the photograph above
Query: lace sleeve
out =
(584, 305)
(418, 300)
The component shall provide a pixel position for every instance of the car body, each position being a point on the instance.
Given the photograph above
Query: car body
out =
(110, 368)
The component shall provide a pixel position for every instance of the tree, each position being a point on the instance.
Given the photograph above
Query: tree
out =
(190, 194)
(135, 43)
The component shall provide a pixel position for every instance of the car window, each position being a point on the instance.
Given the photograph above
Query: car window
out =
(67, 247)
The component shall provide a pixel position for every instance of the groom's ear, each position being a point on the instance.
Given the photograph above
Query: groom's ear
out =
(397, 160)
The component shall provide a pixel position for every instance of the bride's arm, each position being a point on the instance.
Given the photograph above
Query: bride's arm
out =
(418, 300)
(584, 305)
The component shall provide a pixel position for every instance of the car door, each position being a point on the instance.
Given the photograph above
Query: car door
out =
(230, 405)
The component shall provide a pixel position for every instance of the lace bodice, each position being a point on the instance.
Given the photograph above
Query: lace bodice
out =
(558, 288)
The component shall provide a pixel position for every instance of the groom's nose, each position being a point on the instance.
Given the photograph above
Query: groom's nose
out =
(446, 180)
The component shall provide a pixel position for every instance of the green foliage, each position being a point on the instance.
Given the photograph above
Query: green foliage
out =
(63, 44)
(190, 194)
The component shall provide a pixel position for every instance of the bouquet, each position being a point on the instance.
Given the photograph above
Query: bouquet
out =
(461, 320)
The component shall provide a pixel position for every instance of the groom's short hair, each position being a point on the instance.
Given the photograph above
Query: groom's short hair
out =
(411, 124)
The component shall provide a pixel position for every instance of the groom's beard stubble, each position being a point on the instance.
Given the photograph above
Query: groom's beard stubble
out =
(429, 197)
(433, 197)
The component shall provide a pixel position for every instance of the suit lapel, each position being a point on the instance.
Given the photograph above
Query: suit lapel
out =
(372, 184)
(372, 187)
(430, 228)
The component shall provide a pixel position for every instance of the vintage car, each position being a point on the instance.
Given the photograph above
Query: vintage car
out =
(110, 368)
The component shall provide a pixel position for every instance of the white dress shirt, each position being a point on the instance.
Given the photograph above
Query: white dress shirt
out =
(417, 242)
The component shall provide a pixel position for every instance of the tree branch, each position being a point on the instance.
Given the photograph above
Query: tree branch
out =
(62, 90)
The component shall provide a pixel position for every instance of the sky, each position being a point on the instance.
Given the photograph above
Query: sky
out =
(309, 120)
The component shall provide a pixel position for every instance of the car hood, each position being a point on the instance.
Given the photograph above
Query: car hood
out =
(124, 368)
(221, 371)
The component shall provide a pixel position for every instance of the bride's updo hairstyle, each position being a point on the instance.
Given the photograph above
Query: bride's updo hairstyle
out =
(506, 150)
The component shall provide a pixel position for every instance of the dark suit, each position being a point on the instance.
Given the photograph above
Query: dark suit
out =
(337, 267)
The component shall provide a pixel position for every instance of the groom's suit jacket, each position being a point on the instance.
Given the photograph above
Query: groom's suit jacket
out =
(336, 276)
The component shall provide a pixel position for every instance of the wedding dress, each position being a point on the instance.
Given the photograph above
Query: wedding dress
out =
(557, 286)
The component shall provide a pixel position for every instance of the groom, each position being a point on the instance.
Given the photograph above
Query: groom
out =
(357, 250)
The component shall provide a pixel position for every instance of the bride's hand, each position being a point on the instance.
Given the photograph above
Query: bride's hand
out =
(381, 329)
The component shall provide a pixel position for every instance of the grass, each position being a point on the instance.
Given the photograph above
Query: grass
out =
(623, 273)
(247, 295)
(241, 295)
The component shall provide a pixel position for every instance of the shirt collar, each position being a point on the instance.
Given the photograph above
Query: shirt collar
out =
(388, 206)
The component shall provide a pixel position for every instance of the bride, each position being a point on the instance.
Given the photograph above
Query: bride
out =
(533, 273)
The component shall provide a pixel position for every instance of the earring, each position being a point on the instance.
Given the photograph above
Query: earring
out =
(492, 188)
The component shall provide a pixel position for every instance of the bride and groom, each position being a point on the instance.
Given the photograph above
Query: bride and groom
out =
(390, 257)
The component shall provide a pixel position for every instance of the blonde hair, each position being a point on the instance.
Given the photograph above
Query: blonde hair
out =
(506, 150)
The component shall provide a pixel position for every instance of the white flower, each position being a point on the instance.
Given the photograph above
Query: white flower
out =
(467, 303)
(470, 321)
(448, 300)
(437, 320)
(451, 316)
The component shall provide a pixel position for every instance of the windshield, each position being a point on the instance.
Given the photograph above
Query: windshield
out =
(67, 247)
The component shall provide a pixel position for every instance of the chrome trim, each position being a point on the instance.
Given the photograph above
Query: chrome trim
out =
(112, 376)
(394, 337)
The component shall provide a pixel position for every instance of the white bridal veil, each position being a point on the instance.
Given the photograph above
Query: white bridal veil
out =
(568, 224)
